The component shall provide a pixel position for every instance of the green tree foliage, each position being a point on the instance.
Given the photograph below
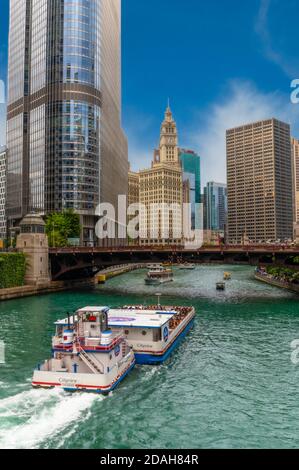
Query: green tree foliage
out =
(285, 274)
(12, 270)
(60, 226)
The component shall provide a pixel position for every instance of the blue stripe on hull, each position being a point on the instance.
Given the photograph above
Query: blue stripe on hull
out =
(152, 359)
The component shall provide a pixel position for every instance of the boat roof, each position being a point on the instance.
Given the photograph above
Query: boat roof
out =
(93, 309)
(138, 318)
(126, 318)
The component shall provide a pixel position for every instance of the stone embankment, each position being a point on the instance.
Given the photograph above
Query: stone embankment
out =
(268, 279)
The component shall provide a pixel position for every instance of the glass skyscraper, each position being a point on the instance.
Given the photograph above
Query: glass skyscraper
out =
(190, 162)
(215, 206)
(66, 147)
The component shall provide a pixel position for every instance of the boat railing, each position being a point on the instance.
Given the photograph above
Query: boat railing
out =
(117, 339)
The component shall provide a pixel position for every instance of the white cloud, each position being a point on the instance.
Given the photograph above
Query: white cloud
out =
(288, 65)
(139, 129)
(243, 103)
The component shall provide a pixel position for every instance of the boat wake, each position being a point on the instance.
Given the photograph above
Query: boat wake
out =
(31, 418)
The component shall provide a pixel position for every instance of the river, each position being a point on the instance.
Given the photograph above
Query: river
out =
(230, 384)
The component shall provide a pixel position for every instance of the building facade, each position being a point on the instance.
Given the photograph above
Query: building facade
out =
(3, 227)
(259, 176)
(215, 207)
(190, 162)
(295, 153)
(133, 188)
(66, 147)
(160, 188)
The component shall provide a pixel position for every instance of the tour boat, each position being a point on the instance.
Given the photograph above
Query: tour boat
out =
(153, 333)
(154, 266)
(187, 266)
(158, 275)
(86, 354)
(220, 286)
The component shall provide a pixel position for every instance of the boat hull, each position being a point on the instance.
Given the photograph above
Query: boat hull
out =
(152, 359)
(70, 382)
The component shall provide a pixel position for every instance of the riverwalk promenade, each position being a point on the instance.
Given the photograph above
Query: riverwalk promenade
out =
(276, 282)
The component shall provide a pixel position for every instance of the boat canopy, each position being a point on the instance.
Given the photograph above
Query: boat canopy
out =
(137, 319)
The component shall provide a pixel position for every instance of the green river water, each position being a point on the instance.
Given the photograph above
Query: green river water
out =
(231, 383)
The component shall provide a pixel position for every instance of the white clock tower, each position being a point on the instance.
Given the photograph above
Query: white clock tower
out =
(168, 147)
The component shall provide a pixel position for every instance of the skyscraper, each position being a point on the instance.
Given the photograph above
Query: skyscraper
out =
(259, 176)
(2, 195)
(66, 148)
(215, 206)
(190, 162)
(295, 153)
(161, 187)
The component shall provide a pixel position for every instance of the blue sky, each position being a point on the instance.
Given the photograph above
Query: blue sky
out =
(221, 63)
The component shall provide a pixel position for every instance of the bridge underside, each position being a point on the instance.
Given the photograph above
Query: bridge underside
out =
(75, 264)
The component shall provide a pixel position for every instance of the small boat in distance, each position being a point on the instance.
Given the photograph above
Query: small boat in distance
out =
(227, 276)
(154, 266)
(86, 354)
(159, 275)
(220, 286)
(187, 266)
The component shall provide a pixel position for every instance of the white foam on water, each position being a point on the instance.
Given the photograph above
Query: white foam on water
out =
(46, 413)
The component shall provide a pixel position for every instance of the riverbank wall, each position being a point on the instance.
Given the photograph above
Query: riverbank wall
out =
(277, 283)
(115, 271)
(42, 289)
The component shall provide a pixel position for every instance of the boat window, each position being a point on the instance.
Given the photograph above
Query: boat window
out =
(144, 333)
(157, 335)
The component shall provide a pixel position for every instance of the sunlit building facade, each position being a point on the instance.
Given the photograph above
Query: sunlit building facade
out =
(161, 191)
(260, 182)
(66, 147)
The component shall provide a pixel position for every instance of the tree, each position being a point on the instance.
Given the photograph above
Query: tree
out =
(60, 226)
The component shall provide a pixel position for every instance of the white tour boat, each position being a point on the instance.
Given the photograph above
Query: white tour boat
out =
(159, 275)
(87, 355)
(153, 333)
(187, 266)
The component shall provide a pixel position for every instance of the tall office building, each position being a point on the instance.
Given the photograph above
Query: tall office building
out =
(259, 176)
(295, 153)
(215, 206)
(190, 162)
(160, 187)
(2, 195)
(66, 147)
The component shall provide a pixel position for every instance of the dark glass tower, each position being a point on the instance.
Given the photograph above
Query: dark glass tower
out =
(66, 147)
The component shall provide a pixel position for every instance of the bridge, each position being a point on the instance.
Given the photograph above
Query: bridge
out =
(80, 262)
